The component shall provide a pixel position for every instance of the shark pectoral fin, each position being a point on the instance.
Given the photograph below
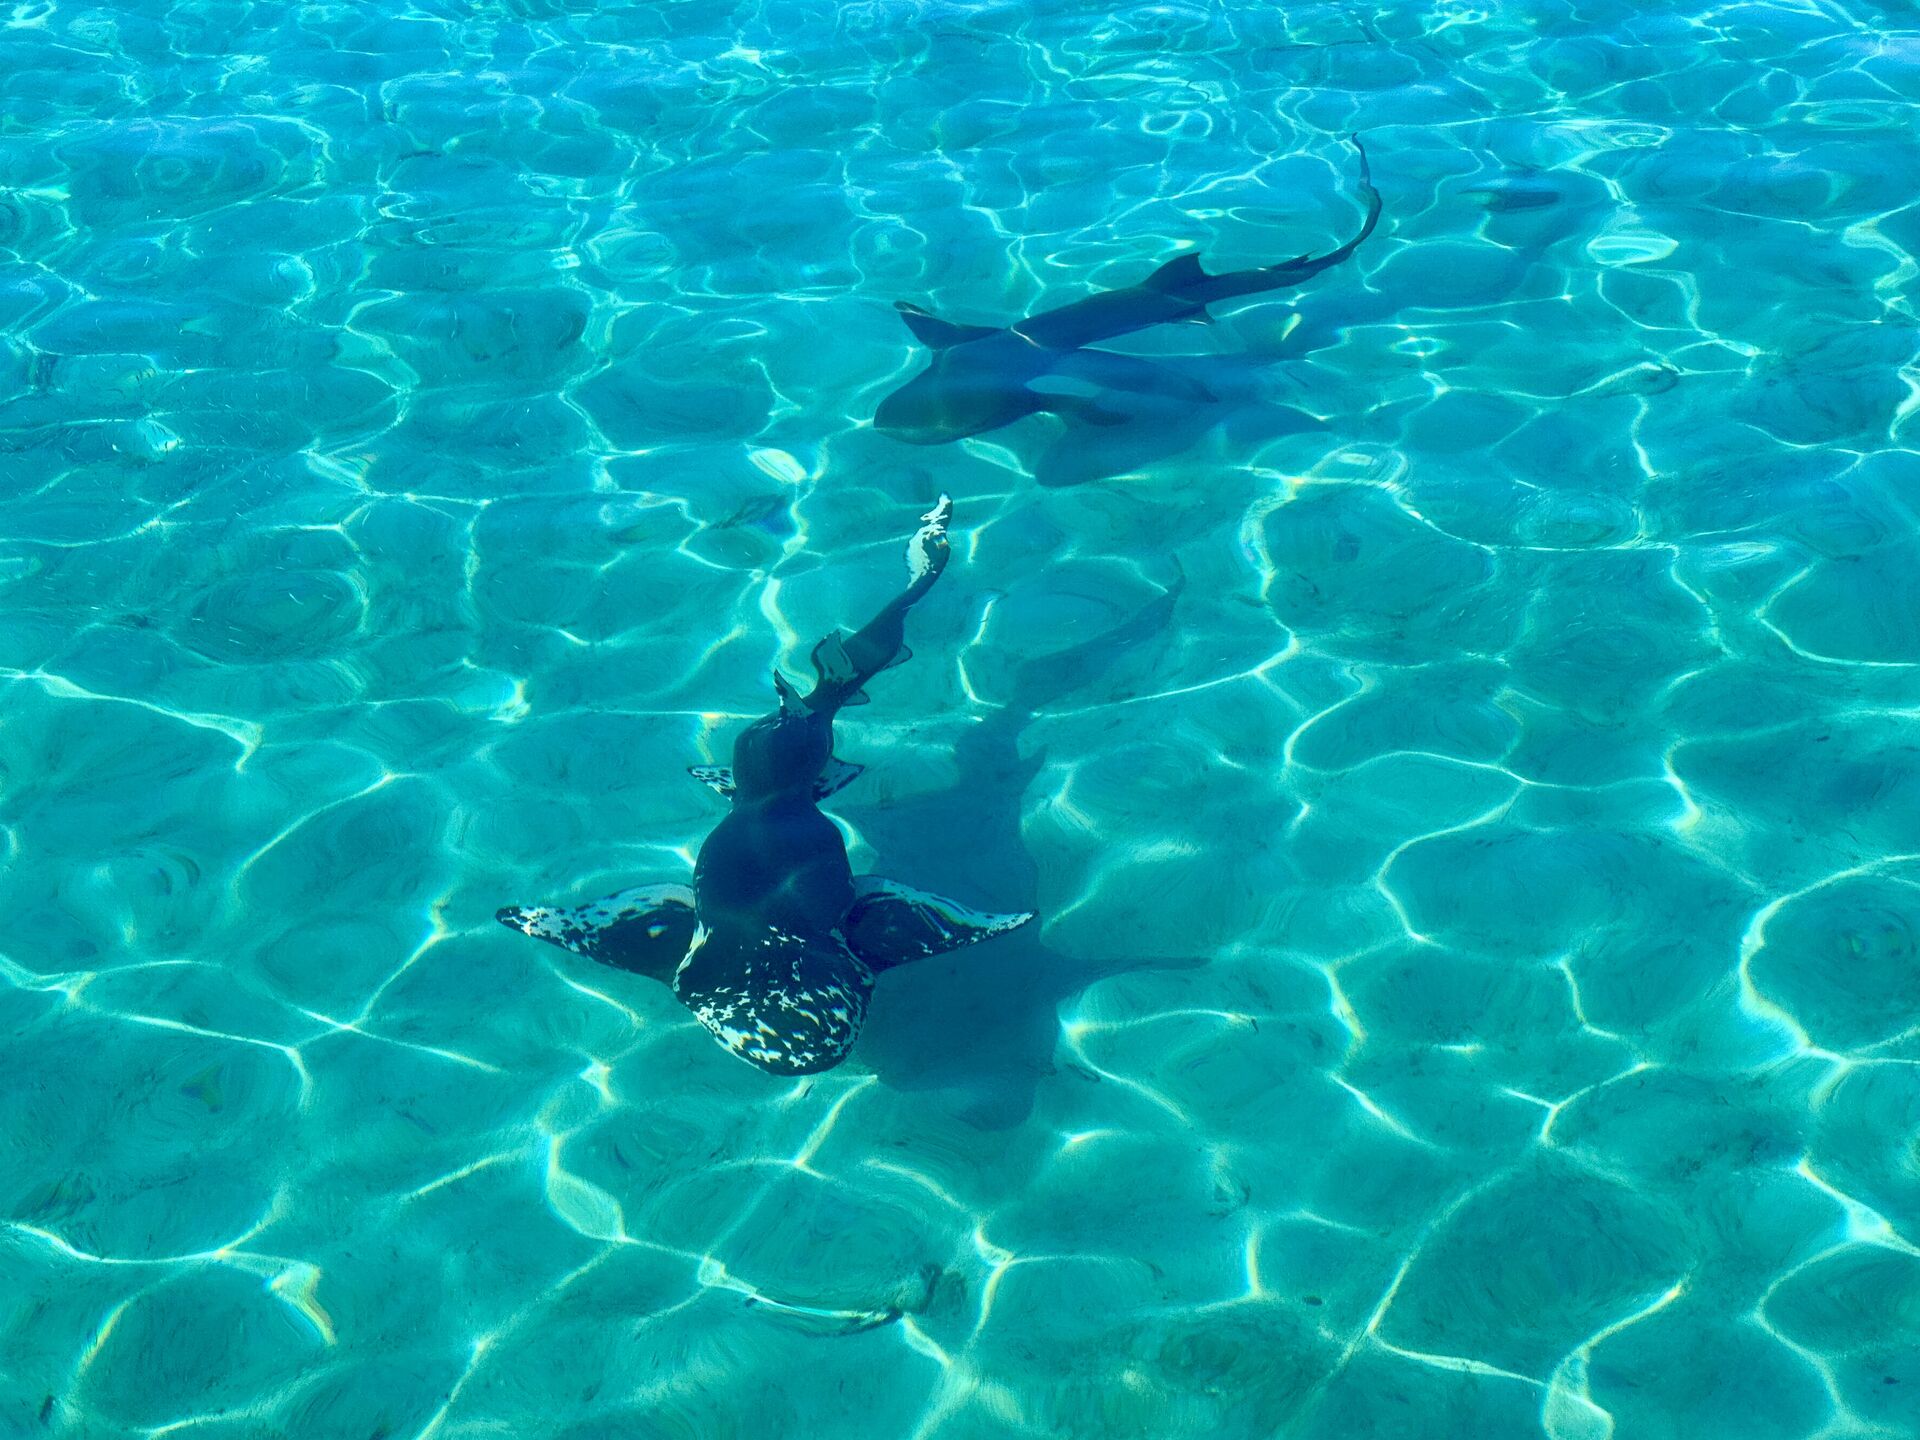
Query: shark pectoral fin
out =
(645, 930)
(891, 923)
(716, 777)
(836, 777)
(1070, 406)
(1178, 273)
(935, 333)
(1113, 371)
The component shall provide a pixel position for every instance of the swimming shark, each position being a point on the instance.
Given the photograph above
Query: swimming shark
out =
(982, 377)
(775, 945)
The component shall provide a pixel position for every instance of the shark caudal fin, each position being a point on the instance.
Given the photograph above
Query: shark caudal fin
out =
(1303, 266)
(845, 663)
(1185, 278)
(927, 551)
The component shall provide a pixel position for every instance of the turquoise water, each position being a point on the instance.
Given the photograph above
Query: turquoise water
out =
(1467, 773)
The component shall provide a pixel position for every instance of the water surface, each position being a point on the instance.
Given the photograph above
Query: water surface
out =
(1468, 774)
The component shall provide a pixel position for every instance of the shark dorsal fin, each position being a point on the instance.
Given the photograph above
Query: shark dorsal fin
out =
(831, 662)
(935, 333)
(791, 702)
(1178, 273)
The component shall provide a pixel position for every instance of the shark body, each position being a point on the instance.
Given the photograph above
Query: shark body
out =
(983, 377)
(775, 945)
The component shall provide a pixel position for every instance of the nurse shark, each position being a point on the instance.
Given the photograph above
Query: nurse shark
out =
(982, 377)
(775, 945)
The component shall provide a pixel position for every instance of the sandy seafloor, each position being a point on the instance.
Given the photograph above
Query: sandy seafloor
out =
(1469, 775)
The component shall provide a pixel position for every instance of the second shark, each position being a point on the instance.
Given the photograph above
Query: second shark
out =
(983, 377)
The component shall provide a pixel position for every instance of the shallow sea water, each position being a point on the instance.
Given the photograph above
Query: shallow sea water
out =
(1468, 775)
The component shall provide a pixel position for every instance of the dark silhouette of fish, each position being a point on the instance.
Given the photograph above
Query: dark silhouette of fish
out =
(982, 377)
(775, 946)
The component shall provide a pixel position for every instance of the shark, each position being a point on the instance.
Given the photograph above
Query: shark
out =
(982, 377)
(776, 944)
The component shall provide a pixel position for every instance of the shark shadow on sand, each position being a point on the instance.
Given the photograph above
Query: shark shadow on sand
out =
(1150, 428)
(985, 1032)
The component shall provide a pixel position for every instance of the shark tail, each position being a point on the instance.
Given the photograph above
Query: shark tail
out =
(845, 663)
(1305, 265)
(1184, 275)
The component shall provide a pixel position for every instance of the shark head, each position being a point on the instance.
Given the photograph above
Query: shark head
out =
(958, 395)
(976, 382)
